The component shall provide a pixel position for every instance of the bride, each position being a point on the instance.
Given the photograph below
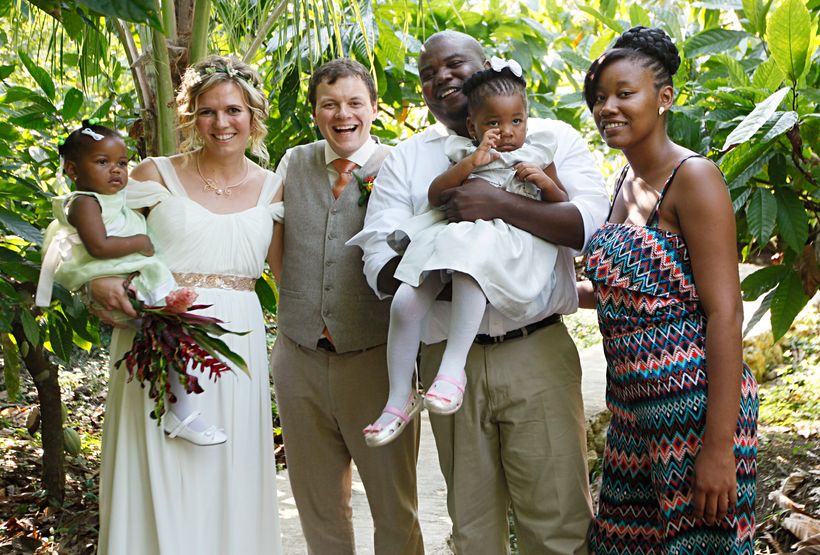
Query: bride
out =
(210, 218)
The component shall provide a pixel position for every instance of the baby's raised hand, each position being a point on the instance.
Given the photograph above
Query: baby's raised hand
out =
(485, 152)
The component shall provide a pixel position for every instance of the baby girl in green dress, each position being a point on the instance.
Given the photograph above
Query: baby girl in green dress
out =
(94, 234)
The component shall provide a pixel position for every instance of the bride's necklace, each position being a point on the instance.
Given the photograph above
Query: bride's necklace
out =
(213, 185)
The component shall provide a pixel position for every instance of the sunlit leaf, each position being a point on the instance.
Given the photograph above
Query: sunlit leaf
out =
(712, 41)
(608, 21)
(11, 366)
(761, 311)
(755, 12)
(638, 15)
(768, 76)
(790, 35)
(756, 119)
(785, 122)
(40, 75)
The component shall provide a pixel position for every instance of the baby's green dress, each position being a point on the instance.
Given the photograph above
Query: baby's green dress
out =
(67, 261)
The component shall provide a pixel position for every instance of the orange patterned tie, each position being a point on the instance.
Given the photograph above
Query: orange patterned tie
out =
(345, 168)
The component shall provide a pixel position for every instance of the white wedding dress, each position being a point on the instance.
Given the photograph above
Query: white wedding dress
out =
(161, 496)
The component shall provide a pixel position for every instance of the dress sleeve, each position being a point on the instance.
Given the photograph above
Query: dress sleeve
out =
(277, 211)
(543, 144)
(143, 194)
(458, 148)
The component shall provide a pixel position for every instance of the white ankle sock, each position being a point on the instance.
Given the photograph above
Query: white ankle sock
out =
(407, 311)
(466, 313)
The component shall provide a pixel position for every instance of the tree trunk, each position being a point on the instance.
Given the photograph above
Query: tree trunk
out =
(44, 373)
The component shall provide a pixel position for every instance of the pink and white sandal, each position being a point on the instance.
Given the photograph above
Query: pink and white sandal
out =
(444, 404)
(376, 436)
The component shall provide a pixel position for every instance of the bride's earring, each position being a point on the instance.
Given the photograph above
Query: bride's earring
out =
(661, 110)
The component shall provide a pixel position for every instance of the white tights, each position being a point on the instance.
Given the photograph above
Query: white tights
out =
(407, 312)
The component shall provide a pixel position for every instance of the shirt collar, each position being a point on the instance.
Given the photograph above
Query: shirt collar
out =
(360, 157)
(438, 131)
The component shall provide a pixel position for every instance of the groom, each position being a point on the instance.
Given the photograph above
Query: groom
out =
(519, 437)
(329, 361)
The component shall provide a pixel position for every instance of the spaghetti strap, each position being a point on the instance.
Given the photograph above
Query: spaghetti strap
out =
(169, 175)
(653, 217)
(618, 185)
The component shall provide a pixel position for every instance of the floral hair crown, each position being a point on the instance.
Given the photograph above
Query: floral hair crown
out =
(230, 71)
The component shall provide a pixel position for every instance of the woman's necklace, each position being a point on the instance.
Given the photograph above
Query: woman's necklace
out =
(213, 185)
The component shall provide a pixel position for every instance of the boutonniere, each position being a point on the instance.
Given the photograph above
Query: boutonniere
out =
(365, 187)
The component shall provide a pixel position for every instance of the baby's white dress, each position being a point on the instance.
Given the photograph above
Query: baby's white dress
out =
(514, 268)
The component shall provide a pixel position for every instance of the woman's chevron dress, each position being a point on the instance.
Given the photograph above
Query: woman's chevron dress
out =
(654, 332)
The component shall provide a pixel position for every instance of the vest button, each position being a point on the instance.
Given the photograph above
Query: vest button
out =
(329, 263)
(331, 235)
(328, 287)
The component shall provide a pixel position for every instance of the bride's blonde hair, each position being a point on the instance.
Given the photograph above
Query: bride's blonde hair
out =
(205, 75)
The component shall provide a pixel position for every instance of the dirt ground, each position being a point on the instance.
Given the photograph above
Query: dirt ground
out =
(789, 452)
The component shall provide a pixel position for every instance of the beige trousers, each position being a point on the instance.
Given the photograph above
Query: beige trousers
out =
(518, 439)
(324, 401)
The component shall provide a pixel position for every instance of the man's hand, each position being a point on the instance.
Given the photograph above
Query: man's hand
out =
(475, 200)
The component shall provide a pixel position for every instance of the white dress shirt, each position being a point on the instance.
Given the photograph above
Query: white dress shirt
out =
(400, 191)
(361, 156)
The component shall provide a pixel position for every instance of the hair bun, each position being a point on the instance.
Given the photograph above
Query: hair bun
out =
(653, 42)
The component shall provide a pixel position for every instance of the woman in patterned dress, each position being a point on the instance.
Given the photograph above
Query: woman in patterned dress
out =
(679, 464)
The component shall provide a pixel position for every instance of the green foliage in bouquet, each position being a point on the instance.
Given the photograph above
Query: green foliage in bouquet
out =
(170, 338)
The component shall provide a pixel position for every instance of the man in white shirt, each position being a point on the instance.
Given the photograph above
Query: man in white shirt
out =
(519, 436)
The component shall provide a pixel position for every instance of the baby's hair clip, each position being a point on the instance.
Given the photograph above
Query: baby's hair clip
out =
(93, 121)
(90, 133)
(497, 64)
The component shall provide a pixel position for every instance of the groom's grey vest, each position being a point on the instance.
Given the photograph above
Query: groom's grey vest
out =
(322, 280)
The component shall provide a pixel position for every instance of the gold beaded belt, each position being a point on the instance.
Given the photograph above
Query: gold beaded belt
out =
(215, 281)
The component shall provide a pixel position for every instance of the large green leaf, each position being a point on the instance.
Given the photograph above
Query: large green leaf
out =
(755, 120)
(787, 302)
(761, 215)
(137, 11)
(72, 104)
(744, 162)
(30, 327)
(792, 219)
(712, 41)
(790, 35)
(768, 76)
(755, 12)
(11, 366)
(761, 311)
(762, 280)
(608, 21)
(40, 75)
(60, 336)
(638, 15)
(18, 226)
(783, 123)
(737, 75)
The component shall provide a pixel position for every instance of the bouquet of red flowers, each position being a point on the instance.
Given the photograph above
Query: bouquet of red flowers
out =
(169, 338)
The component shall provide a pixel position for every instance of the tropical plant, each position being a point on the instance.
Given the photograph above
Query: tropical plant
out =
(747, 97)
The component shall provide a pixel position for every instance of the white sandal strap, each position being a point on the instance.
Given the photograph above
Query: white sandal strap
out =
(184, 424)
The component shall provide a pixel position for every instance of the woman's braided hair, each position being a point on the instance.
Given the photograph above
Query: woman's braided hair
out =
(487, 83)
(650, 45)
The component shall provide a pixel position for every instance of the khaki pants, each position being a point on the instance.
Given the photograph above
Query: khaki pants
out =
(324, 401)
(519, 438)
